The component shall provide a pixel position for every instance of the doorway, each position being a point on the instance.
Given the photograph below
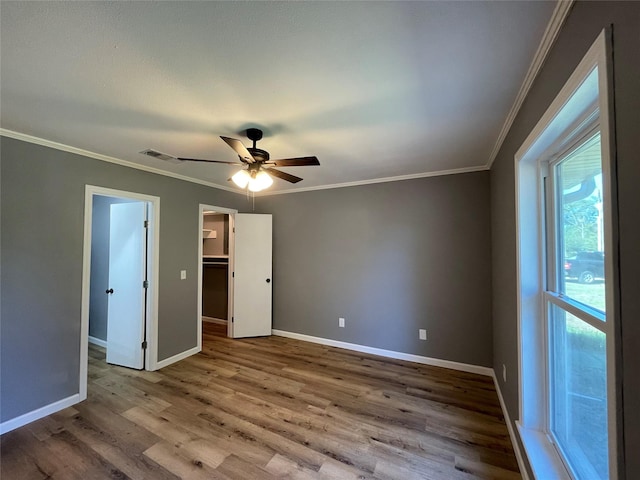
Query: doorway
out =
(236, 247)
(113, 269)
(215, 267)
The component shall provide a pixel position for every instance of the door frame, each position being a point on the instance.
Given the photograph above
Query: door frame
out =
(225, 211)
(153, 262)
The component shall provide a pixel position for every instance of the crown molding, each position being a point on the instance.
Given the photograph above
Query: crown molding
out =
(376, 180)
(548, 38)
(106, 158)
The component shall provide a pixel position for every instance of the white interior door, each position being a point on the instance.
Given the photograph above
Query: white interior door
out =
(252, 280)
(127, 250)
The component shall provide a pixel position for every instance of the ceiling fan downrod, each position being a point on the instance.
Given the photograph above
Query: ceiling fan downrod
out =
(260, 156)
(254, 134)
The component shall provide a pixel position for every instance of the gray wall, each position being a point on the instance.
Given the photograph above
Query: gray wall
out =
(98, 300)
(42, 208)
(582, 27)
(390, 258)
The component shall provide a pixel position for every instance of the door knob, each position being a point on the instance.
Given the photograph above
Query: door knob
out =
(268, 280)
(110, 290)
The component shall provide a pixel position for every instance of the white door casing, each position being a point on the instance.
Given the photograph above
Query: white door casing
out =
(252, 288)
(127, 263)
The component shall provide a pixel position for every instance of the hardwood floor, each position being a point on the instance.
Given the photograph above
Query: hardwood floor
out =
(270, 408)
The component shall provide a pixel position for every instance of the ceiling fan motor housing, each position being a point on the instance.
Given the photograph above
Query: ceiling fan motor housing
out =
(258, 154)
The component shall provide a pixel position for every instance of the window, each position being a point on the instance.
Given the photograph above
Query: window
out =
(575, 306)
(565, 282)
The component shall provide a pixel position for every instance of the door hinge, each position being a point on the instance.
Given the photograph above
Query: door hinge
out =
(146, 224)
(144, 345)
(145, 284)
(231, 319)
(233, 274)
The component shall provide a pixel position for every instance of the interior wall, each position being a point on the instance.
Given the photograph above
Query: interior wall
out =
(220, 244)
(98, 299)
(42, 210)
(584, 23)
(215, 274)
(390, 258)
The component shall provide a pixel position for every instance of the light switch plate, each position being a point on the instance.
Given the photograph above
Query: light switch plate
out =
(183, 274)
(422, 334)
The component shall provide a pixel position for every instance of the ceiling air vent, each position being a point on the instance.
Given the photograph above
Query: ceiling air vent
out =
(160, 155)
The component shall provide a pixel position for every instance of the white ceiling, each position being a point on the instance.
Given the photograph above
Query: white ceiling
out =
(374, 89)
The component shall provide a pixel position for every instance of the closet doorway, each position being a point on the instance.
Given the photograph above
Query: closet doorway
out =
(216, 255)
(235, 267)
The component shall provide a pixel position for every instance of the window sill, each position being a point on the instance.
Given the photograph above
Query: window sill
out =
(543, 458)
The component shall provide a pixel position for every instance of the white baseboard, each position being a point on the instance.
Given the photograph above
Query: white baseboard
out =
(214, 320)
(435, 362)
(176, 358)
(39, 413)
(512, 433)
(98, 341)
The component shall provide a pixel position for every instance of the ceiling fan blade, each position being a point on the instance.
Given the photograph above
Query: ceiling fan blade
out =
(283, 176)
(295, 162)
(240, 149)
(207, 161)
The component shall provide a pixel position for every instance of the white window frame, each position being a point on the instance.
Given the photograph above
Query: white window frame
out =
(574, 113)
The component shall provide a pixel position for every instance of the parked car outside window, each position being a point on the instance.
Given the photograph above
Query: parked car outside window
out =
(585, 266)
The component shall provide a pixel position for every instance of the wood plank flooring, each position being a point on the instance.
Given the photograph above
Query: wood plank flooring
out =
(270, 408)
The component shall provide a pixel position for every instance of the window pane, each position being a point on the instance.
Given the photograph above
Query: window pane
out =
(580, 225)
(579, 393)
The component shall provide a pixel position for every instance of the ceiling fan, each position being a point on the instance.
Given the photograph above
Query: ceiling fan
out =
(259, 166)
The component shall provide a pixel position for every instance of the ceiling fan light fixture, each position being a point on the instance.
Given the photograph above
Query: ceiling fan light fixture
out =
(261, 181)
(241, 178)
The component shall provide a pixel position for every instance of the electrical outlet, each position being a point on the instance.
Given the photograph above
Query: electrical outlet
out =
(183, 274)
(341, 322)
(422, 334)
(504, 373)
